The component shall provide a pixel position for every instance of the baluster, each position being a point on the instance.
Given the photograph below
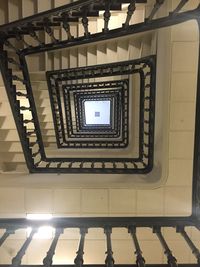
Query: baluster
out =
(48, 260)
(7, 233)
(8, 44)
(107, 15)
(48, 30)
(170, 258)
(31, 133)
(109, 261)
(36, 153)
(148, 86)
(131, 9)
(48, 165)
(125, 166)
(33, 34)
(21, 39)
(16, 261)
(145, 156)
(143, 163)
(145, 145)
(21, 94)
(155, 9)
(70, 165)
(178, 8)
(32, 144)
(192, 246)
(59, 165)
(134, 165)
(14, 62)
(17, 78)
(147, 74)
(28, 121)
(85, 21)
(140, 261)
(38, 163)
(25, 108)
(66, 25)
(79, 258)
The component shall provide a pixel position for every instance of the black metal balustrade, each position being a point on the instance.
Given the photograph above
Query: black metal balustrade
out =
(143, 163)
(92, 89)
(62, 17)
(83, 127)
(89, 91)
(81, 120)
(14, 56)
(145, 67)
(120, 114)
(107, 225)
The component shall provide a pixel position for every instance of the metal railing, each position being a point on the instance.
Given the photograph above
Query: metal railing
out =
(156, 224)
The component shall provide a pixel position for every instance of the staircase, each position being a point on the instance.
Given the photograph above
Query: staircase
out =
(176, 232)
(12, 159)
(100, 44)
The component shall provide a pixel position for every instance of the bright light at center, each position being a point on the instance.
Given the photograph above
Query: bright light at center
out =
(35, 216)
(44, 232)
(97, 112)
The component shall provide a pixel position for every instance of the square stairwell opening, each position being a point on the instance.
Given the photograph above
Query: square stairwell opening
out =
(97, 112)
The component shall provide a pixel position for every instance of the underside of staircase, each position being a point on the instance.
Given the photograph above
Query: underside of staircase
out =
(57, 57)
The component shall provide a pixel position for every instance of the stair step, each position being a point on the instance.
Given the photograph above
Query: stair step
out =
(10, 146)
(12, 157)
(15, 167)
(9, 135)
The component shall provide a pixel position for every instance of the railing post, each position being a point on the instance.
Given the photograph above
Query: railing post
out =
(140, 261)
(131, 9)
(179, 6)
(170, 258)
(79, 258)
(66, 25)
(48, 260)
(16, 261)
(155, 9)
(109, 258)
(33, 34)
(48, 30)
(7, 233)
(189, 242)
(85, 22)
(107, 15)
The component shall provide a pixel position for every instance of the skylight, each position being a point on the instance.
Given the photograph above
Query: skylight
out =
(97, 112)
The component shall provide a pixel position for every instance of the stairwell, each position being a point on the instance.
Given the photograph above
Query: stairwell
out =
(12, 159)
(81, 197)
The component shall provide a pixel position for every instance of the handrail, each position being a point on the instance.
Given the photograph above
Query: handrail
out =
(99, 222)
